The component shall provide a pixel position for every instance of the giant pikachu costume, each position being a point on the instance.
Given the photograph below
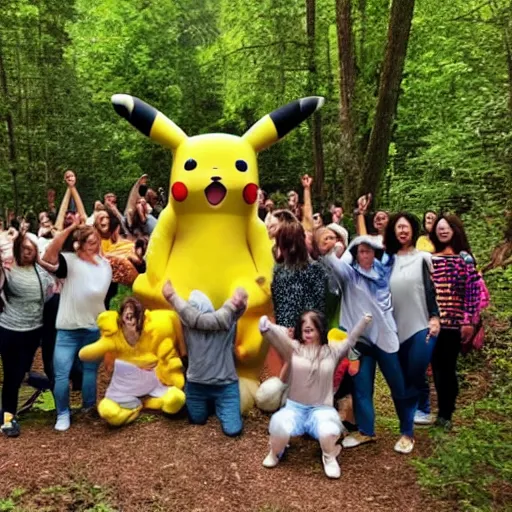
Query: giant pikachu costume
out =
(209, 236)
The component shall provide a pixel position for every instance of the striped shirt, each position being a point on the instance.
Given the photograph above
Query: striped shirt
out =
(26, 290)
(457, 290)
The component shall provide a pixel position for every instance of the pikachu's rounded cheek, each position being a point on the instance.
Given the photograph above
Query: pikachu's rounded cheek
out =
(179, 191)
(250, 193)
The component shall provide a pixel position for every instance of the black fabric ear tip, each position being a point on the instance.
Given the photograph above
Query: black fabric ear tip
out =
(142, 116)
(121, 110)
(288, 117)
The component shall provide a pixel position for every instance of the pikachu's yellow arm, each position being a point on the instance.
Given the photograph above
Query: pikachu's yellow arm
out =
(96, 351)
(107, 323)
(160, 245)
(170, 368)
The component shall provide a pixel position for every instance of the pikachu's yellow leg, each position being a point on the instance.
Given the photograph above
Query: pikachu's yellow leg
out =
(116, 415)
(170, 403)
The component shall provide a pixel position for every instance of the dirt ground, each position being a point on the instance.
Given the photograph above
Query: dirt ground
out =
(161, 464)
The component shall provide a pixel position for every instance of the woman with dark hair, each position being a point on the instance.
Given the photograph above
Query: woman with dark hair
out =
(309, 406)
(364, 281)
(424, 243)
(458, 295)
(86, 276)
(298, 285)
(26, 287)
(416, 314)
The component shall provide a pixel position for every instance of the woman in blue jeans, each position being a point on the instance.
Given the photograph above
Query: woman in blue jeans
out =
(364, 281)
(415, 311)
(87, 276)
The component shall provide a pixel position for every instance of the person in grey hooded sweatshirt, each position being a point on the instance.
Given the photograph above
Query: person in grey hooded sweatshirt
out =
(210, 339)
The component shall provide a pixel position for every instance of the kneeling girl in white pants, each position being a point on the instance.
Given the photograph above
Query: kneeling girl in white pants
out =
(309, 407)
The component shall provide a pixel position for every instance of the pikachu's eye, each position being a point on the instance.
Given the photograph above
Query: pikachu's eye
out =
(241, 165)
(190, 164)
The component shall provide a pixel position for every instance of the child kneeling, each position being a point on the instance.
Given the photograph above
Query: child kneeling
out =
(210, 340)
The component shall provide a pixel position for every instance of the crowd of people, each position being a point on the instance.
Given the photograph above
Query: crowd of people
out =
(399, 294)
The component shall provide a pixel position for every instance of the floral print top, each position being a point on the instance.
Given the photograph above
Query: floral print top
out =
(296, 290)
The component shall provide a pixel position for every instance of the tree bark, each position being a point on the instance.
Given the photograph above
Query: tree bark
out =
(4, 87)
(391, 77)
(316, 121)
(350, 157)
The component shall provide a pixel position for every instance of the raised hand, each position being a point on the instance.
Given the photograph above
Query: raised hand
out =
(168, 290)
(363, 203)
(264, 324)
(239, 298)
(306, 181)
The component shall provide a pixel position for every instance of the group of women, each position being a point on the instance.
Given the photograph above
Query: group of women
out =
(422, 293)
(55, 283)
(404, 300)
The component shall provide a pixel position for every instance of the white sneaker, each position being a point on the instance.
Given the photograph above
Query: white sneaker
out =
(331, 466)
(63, 422)
(422, 418)
(355, 439)
(404, 445)
(271, 460)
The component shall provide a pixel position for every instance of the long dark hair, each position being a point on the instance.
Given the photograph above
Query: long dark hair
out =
(319, 321)
(290, 248)
(459, 241)
(392, 243)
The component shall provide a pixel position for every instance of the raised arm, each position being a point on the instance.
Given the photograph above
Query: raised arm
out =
(278, 337)
(220, 320)
(51, 255)
(79, 204)
(59, 223)
(341, 266)
(307, 210)
(341, 348)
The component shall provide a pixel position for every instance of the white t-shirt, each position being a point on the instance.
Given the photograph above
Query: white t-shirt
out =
(83, 292)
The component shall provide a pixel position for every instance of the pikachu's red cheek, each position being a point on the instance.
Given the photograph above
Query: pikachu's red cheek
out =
(179, 191)
(250, 193)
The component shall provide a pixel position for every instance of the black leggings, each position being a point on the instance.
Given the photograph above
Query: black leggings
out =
(17, 350)
(444, 368)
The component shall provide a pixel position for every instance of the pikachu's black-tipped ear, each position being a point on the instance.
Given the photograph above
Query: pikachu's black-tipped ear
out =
(276, 125)
(148, 120)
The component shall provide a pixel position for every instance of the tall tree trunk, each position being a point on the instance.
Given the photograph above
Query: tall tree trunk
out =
(316, 122)
(350, 157)
(10, 127)
(391, 77)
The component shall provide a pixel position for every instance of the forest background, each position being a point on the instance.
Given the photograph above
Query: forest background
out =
(418, 111)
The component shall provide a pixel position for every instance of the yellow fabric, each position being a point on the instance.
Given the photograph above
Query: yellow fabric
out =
(155, 345)
(219, 245)
(424, 244)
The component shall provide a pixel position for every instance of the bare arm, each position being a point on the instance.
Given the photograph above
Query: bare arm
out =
(79, 204)
(307, 210)
(59, 223)
(51, 255)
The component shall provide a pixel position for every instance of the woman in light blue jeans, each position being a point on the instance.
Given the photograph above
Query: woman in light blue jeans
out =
(87, 276)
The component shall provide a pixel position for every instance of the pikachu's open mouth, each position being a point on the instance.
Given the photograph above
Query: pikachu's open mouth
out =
(215, 193)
